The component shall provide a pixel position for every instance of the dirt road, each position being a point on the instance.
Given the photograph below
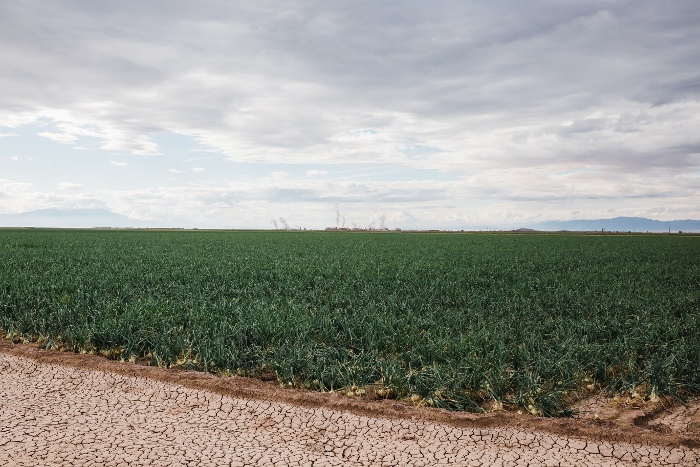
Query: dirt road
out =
(67, 409)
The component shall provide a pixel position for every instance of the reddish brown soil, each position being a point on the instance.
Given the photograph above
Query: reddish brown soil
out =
(619, 432)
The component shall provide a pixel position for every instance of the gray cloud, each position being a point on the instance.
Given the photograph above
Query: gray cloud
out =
(666, 92)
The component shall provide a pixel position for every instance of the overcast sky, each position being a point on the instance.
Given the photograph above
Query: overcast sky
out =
(411, 114)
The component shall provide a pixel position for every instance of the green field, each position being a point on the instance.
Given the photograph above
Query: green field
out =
(454, 320)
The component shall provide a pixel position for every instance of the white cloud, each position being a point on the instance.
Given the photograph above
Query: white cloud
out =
(12, 186)
(197, 169)
(175, 171)
(69, 186)
(119, 163)
(315, 173)
(60, 137)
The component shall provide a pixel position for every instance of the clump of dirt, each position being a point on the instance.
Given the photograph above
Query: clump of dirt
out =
(678, 419)
(660, 415)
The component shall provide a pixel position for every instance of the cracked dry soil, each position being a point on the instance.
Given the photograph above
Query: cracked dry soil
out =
(64, 409)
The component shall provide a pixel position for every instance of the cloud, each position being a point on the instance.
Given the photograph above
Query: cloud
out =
(119, 163)
(12, 186)
(420, 204)
(315, 172)
(505, 96)
(175, 171)
(69, 186)
(433, 65)
(60, 137)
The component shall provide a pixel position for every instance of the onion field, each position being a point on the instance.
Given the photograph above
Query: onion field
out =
(465, 321)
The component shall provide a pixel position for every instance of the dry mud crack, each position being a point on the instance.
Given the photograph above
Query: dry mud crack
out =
(67, 409)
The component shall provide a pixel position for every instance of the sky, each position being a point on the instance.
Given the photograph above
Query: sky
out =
(312, 114)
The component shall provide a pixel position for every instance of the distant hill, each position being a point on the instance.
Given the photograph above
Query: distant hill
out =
(620, 224)
(71, 218)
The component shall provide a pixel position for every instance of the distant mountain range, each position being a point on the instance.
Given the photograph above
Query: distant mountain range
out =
(72, 218)
(90, 218)
(619, 224)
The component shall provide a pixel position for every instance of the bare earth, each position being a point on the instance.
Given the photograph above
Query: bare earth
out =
(59, 408)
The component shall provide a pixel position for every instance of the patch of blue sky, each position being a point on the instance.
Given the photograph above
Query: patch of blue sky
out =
(362, 132)
(419, 149)
(46, 161)
(587, 169)
(181, 147)
(188, 161)
(43, 161)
